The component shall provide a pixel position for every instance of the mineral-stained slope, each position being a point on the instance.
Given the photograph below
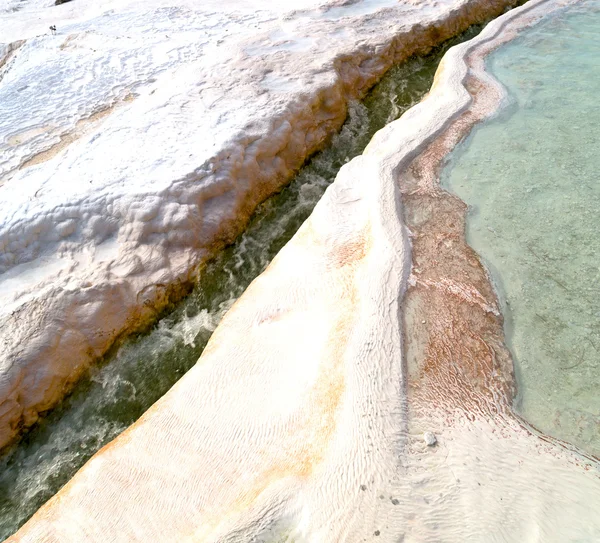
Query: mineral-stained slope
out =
(136, 137)
(305, 417)
(283, 410)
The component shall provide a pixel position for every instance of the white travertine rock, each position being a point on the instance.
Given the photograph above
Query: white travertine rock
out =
(430, 439)
(140, 135)
(302, 420)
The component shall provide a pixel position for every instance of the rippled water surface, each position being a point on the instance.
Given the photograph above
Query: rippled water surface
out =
(532, 180)
(145, 367)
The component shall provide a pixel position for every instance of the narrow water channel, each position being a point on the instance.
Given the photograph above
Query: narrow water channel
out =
(531, 178)
(127, 383)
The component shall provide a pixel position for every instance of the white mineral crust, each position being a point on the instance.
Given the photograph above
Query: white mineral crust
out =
(140, 135)
(294, 424)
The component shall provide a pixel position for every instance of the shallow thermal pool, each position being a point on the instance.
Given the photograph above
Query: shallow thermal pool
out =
(133, 377)
(531, 177)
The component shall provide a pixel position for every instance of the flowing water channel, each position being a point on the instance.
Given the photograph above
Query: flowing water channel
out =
(129, 381)
(531, 177)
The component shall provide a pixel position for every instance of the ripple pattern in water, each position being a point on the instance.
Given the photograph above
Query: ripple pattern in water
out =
(144, 368)
(532, 180)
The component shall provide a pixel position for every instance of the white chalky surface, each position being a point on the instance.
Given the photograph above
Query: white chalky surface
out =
(294, 424)
(139, 134)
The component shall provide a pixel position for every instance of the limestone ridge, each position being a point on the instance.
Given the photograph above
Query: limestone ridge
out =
(304, 418)
(155, 150)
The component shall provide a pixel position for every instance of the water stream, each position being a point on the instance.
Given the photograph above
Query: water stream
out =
(129, 381)
(531, 178)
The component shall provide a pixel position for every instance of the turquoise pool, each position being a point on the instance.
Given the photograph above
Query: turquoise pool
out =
(531, 178)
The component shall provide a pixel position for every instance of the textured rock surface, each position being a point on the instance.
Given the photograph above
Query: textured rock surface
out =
(139, 136)
(304, 418)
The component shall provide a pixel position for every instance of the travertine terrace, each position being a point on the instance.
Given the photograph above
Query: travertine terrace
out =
(304, 419)
(138, 137)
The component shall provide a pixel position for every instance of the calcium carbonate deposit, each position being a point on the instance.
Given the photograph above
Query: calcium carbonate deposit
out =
(137, 137)
(360, 389)
(131, 378)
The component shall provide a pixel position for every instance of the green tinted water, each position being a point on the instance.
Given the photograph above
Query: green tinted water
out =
(145, 367)
(531, 178)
